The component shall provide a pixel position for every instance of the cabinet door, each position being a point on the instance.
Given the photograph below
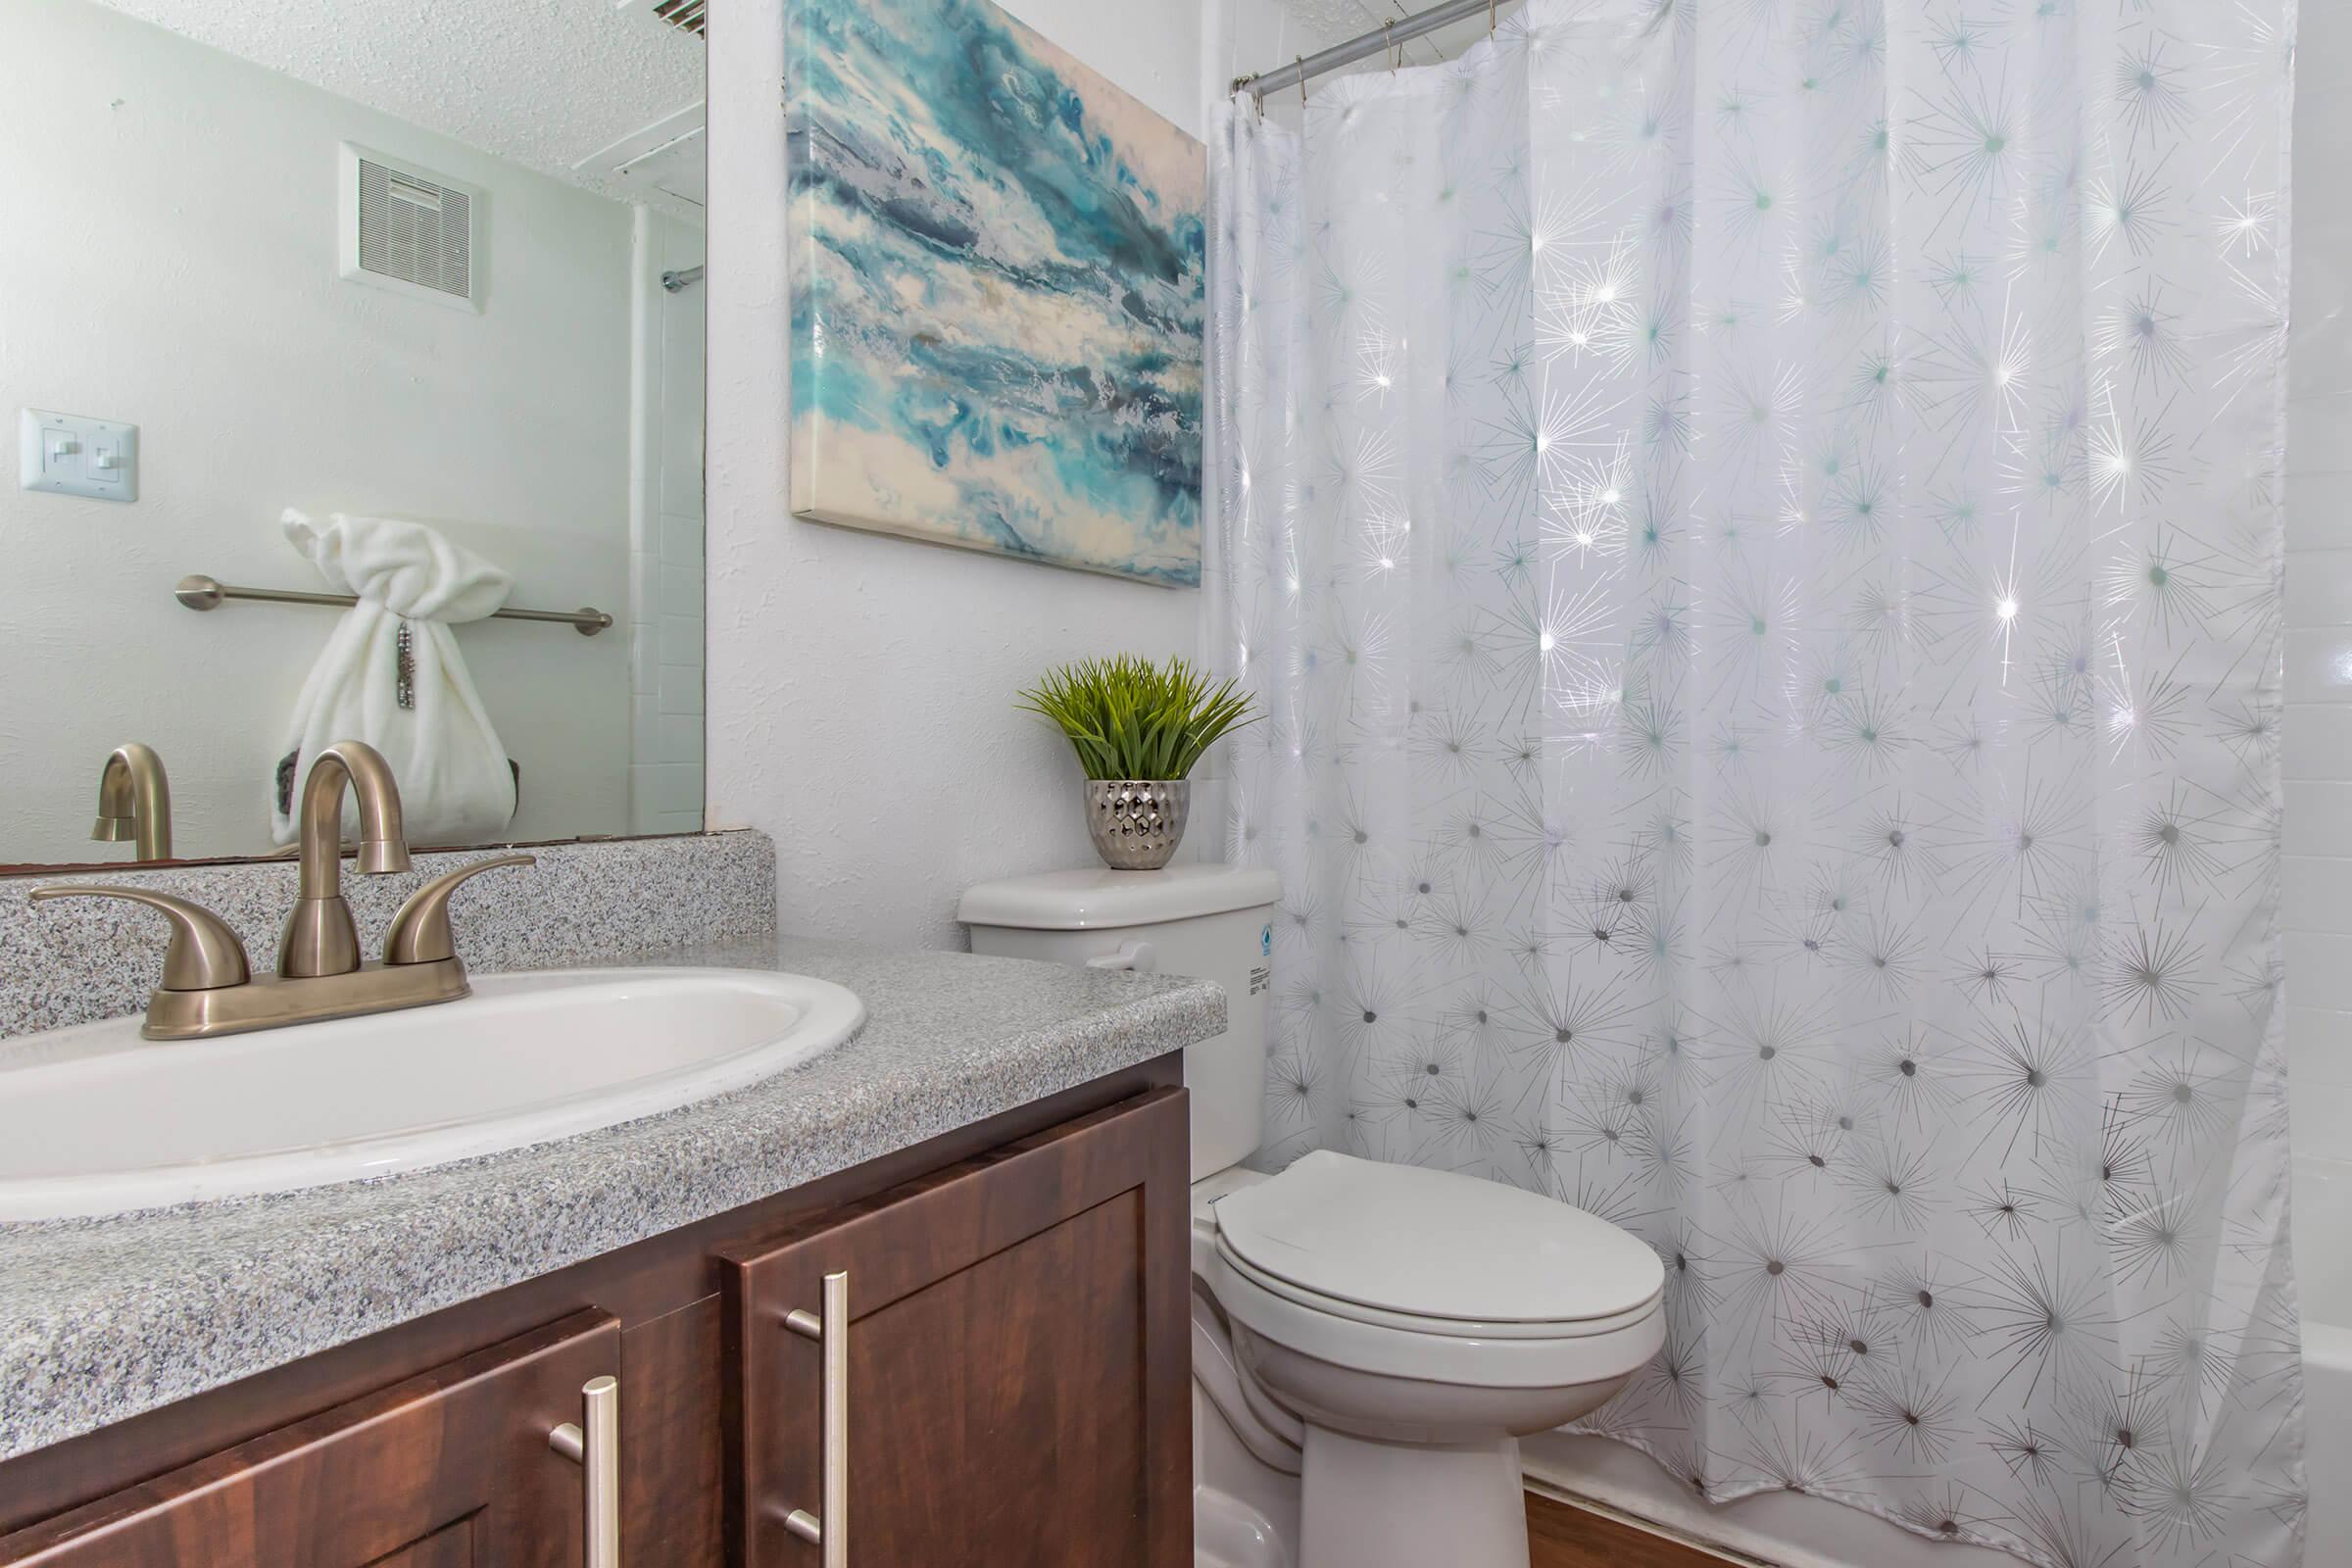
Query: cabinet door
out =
(1018, 1360)
(450, 1469)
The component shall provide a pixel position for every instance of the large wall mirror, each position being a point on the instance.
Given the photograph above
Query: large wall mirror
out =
(353, 297)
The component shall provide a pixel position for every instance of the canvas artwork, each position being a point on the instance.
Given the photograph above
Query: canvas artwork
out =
(997, 292)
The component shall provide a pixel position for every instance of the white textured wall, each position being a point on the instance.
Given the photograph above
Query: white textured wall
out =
(861, 687)
(171, 262)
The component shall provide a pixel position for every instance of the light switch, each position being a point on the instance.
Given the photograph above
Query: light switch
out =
(66, 454)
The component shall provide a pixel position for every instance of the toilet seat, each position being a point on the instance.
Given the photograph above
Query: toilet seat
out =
(1429, 1275)
(1404, 1245)
(1414, 1323)
(1429, 1351)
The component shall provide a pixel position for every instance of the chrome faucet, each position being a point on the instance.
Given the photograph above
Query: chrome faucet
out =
(208, 985)
(135, 801)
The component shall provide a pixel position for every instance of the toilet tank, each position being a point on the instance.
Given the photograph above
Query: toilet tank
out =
(1209, 922)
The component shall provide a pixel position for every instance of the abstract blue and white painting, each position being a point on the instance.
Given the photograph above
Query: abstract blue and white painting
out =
(997, 292)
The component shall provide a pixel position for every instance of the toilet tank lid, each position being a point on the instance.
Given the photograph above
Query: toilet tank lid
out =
(1100, 899)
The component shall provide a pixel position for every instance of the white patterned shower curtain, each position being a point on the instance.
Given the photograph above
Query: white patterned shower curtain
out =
(1756, 525)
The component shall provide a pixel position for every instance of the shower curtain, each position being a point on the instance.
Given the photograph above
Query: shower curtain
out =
(1755, 523)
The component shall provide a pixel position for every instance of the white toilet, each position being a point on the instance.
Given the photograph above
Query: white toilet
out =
(1370, 1341)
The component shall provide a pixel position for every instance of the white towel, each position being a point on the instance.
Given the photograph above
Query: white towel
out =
(455, 782)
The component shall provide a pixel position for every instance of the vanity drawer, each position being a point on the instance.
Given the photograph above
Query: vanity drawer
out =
(451, 1468)
(988, 1366)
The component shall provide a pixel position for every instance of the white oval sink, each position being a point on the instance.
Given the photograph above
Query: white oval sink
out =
(97, 1120)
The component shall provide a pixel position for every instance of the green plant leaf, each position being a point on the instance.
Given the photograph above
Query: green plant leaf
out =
(1127, 718)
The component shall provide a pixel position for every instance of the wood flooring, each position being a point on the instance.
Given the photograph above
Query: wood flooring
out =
(1562, 1536)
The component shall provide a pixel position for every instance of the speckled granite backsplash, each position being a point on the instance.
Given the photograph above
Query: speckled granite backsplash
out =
(77, 959)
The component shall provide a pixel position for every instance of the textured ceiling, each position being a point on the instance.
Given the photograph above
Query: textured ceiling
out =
(550, 83)
(544, 82)
(1330, 21)
(1324, 22)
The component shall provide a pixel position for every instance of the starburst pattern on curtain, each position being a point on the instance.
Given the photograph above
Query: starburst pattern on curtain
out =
(1755, 524)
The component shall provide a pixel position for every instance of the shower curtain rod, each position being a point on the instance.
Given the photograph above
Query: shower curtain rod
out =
(1402, 29)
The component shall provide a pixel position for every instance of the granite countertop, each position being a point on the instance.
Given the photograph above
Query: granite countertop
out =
(103, 1318)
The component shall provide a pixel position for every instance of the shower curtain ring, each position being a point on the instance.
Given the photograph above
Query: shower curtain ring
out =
(1489, 19)
(1301, 62)
(1386, 47)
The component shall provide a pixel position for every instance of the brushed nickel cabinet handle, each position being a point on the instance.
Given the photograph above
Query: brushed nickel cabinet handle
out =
(830, 1530)
(597, 1451)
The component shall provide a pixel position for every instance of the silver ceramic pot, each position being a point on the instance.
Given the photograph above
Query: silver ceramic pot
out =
(1137, 824)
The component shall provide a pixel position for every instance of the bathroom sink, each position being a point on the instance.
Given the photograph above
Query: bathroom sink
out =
(96, 1120)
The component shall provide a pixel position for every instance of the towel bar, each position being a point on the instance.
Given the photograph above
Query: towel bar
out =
(206, 593)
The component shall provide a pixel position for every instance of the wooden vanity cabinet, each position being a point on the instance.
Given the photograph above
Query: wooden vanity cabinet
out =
(449, 1469)
(1017, 1359)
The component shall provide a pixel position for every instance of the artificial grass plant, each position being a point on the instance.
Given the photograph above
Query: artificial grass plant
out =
(1129, 718)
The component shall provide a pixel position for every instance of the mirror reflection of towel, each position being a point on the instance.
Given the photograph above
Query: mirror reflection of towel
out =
(391, 675)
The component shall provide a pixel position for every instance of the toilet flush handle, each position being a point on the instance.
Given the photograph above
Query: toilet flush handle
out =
(1141, 956)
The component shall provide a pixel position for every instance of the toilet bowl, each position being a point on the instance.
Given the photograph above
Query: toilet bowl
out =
(1417, 1323)
(1370, 1341)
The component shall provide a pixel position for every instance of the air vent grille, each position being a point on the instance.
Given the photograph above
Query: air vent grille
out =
(415, 230)
(685, 15)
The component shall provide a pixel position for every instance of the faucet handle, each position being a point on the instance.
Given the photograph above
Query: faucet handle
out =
(420, 933)
(205, 955)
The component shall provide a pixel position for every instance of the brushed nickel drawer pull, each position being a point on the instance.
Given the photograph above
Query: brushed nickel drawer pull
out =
(597, 1451)
(830, 1530)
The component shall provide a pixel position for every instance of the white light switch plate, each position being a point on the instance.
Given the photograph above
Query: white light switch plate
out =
(68, 455)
